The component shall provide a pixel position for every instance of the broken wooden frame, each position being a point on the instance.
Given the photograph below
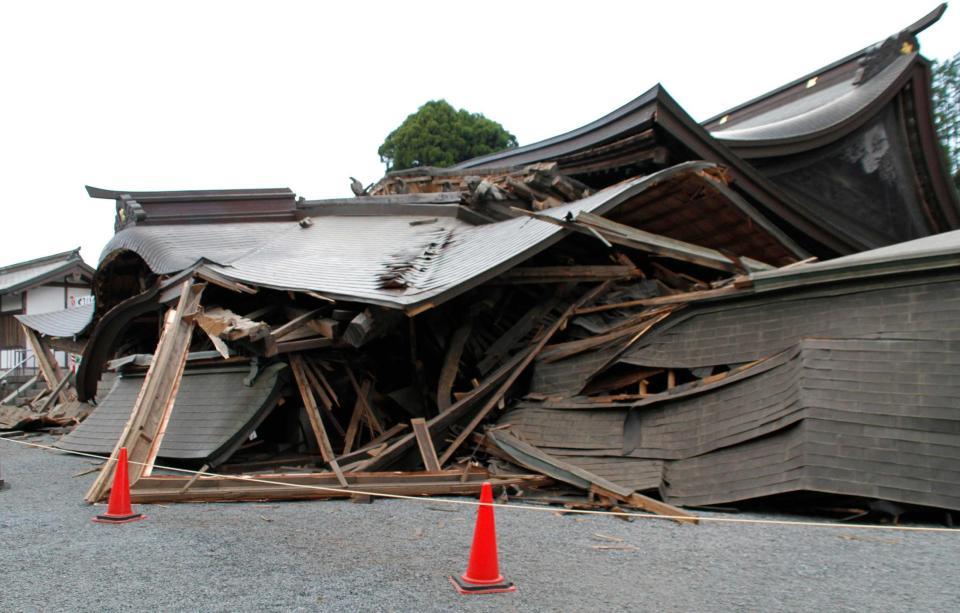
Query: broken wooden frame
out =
(144, 429)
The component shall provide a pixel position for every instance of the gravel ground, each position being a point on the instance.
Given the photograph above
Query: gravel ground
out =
(396, 555)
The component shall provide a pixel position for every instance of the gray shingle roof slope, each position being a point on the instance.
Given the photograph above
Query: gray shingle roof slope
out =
(26, 274)
(62, 324)
(823, 110)
(346, 257)
(213, 414)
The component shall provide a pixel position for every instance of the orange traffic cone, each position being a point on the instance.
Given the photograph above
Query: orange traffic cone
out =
(119, 510)
(483, 571)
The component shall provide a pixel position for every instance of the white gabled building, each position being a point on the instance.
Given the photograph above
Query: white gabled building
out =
(52, 283)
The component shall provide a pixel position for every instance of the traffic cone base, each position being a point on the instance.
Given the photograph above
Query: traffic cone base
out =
(483, 569)
(119, 510)
(118, 519)
(465, 587)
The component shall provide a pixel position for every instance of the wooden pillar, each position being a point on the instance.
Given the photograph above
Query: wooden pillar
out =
(47, 362)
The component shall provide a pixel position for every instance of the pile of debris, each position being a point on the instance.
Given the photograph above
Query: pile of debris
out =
(55, 404)
(633, 310)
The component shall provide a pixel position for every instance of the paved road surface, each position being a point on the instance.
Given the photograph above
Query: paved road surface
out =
(395, 556)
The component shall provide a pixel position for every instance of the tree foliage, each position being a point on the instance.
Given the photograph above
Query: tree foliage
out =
(439, 135)
(946, 106)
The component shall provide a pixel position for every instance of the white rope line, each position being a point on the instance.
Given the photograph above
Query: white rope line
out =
(524, 507)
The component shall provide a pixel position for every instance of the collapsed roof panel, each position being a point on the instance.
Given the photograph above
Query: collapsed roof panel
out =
(871, 441)
(870, 418)
(215, 412)
(400, 258)
(62, 324)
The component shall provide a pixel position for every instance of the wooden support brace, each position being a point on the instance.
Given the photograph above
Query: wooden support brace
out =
(193, 479)
(47, 362)
(358, 410)
(451, 364)
(310, 404)
(425, 443)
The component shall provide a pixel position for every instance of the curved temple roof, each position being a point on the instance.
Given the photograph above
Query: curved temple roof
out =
(831, 99)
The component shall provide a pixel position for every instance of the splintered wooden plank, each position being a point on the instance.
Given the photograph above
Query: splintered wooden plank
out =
(425, 443)
(681, 298)
(529, 456)
(226, 324)
(495, 399)
(373, 422)
(447, 418)
(520, 329)
(325, 402)
(313, 412)
(451, 364)
(47, 362)
(318, 372)
(628, 236)
(293, 324)
(358, 410)
(561, 351)
(565, 274)
(143, 432)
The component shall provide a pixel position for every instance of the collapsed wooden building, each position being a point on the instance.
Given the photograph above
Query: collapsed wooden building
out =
(633, 308)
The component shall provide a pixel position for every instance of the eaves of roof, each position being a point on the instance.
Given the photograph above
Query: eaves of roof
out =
(842, 65)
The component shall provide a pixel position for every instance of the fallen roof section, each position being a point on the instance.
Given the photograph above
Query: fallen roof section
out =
(215, 412)
(66, 323)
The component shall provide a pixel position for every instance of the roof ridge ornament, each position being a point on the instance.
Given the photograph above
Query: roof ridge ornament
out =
(885, 53)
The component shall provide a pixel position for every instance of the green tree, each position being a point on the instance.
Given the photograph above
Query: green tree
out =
(946, 107)
(439, 135)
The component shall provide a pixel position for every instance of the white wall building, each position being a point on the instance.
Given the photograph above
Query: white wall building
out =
(53, 283)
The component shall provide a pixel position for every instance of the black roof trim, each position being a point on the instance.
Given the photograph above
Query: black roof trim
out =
(915, 28)
(192, 195)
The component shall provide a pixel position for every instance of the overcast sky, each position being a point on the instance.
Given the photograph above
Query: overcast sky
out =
(192, 95)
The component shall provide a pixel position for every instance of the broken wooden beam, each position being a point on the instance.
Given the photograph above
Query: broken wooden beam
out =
(317, 486)
(313, 414)
(533, 458)
(451, 363)
(628, 236)
(518, 370)
(425, 443)
(566, 274)
(47, 362)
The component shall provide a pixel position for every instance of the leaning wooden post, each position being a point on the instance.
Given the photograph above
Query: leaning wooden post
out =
(47, 363)
(144, 429)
